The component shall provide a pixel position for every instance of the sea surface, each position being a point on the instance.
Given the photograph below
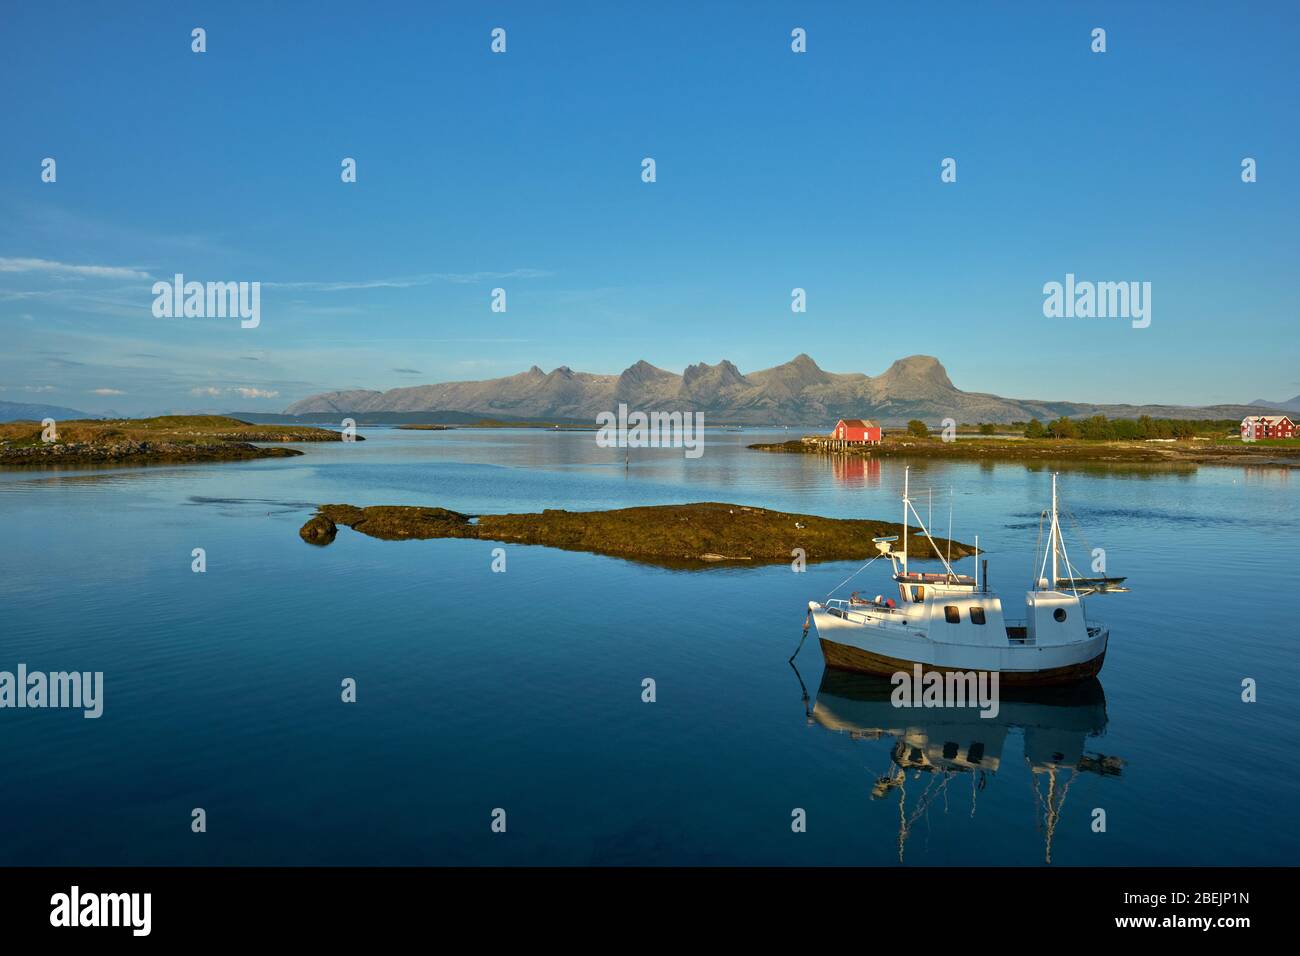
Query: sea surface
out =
(480, 691)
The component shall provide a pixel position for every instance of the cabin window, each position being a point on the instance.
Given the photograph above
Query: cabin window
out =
(1059, 614)
(950, 750)
(920, 593)
(975, 752)
(977, 615)
(952, 613)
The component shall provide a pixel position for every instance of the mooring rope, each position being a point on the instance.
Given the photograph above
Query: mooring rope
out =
(850, 577)
(807, 621)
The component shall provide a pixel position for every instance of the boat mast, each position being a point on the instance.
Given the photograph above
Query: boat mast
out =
(1056, 532)
(934, 548)
(949, 559)
(906, 505)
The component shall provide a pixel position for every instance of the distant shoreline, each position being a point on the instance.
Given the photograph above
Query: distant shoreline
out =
(1180, 451)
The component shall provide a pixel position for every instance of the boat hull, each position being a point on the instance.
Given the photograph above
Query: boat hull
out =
(846, 657)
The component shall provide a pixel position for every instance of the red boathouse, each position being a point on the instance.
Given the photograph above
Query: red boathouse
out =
(856, 431)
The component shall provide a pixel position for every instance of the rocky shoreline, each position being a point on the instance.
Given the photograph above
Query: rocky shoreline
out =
(692, 535)
(166, 440)
(136, 452)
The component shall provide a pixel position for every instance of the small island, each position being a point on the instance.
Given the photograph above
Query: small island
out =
(691, 535)
(167, 439)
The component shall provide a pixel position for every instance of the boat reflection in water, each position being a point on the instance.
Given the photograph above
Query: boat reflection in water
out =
(940, 744)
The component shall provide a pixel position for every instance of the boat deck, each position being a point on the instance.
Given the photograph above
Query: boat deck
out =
(916, 577)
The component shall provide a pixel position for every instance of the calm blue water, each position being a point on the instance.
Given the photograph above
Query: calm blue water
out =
(522, 690)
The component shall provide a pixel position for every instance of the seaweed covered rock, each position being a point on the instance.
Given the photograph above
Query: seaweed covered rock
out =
(672, 535)
(318, 530)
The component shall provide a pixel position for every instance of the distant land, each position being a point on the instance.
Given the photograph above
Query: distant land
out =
(22, 412)
(798, 393)
(1290, 405)
(439, 416)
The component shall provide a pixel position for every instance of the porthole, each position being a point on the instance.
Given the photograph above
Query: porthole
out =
(1059, 614)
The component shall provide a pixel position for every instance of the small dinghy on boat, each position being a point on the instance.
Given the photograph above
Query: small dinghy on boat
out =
(953, 622)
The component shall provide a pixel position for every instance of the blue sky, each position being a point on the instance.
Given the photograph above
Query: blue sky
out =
(522, 170)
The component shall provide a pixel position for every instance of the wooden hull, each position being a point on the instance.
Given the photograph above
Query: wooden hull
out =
(865, 662)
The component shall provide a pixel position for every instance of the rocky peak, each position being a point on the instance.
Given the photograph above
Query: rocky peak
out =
(641, 371)
(804, 361)
(717, 376)
(916, 371)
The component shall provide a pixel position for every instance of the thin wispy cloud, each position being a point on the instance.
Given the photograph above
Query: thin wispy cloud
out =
(242, 391)
(30, 294)
(51, 267)
(410, 282)
(106, 391)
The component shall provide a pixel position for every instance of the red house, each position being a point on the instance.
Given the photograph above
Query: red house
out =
(856, 431)
(1266, 426)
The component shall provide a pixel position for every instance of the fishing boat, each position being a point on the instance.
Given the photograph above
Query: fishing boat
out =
(954, 622)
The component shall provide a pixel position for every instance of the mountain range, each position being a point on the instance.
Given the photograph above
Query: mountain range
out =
(24, 411)
(798, 392)
(1290, 405)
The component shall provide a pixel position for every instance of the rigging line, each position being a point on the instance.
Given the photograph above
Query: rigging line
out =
(949, 526)
(1041, 515)
(916, 494)
(1074, 523)
(934, 548)
(850, 577)
(1060, 540)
